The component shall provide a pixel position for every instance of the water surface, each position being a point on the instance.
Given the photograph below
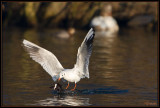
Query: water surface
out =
(123, 69)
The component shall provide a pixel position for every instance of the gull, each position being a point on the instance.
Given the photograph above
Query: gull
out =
(53, 67)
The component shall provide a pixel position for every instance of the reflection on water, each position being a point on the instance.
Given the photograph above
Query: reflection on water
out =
(59, 100)
(73, 98)
(127, 61)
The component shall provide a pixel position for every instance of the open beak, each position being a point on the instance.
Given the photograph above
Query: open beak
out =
(59, 79)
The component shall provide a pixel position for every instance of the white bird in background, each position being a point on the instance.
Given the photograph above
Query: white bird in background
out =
(51, 64)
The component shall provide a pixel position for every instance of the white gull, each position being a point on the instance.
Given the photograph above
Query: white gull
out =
(54, 68)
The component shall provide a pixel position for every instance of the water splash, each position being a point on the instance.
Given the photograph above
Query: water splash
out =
(109, 90)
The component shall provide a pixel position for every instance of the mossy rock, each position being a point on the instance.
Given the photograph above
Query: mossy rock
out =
(30, 12)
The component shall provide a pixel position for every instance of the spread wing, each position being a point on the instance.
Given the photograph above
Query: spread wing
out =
(84, 53)
(45, 58)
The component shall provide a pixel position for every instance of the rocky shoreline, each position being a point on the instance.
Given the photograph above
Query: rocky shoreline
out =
(76, 14)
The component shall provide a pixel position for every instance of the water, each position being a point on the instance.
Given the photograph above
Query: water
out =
(123, 70)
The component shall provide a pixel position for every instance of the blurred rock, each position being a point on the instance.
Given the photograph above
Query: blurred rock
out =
(141, 20)
(30, 11)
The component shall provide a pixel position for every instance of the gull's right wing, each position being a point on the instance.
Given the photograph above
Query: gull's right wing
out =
(45, 58)
(84, 53)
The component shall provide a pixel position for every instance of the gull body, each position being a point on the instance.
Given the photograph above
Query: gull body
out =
(105, 24)
(53, 67)
(65, 34)
(70, 75)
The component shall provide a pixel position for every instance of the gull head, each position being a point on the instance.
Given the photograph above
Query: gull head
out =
(61, 75)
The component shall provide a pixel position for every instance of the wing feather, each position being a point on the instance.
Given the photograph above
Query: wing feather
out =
(84, 53)
(46, 59)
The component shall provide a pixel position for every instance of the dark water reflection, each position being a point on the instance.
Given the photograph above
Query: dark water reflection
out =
(127, 64)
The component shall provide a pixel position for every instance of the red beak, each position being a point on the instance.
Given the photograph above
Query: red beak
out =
(59, 79)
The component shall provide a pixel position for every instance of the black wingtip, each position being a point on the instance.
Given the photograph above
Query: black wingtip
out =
(93, 29)
(89, 41)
